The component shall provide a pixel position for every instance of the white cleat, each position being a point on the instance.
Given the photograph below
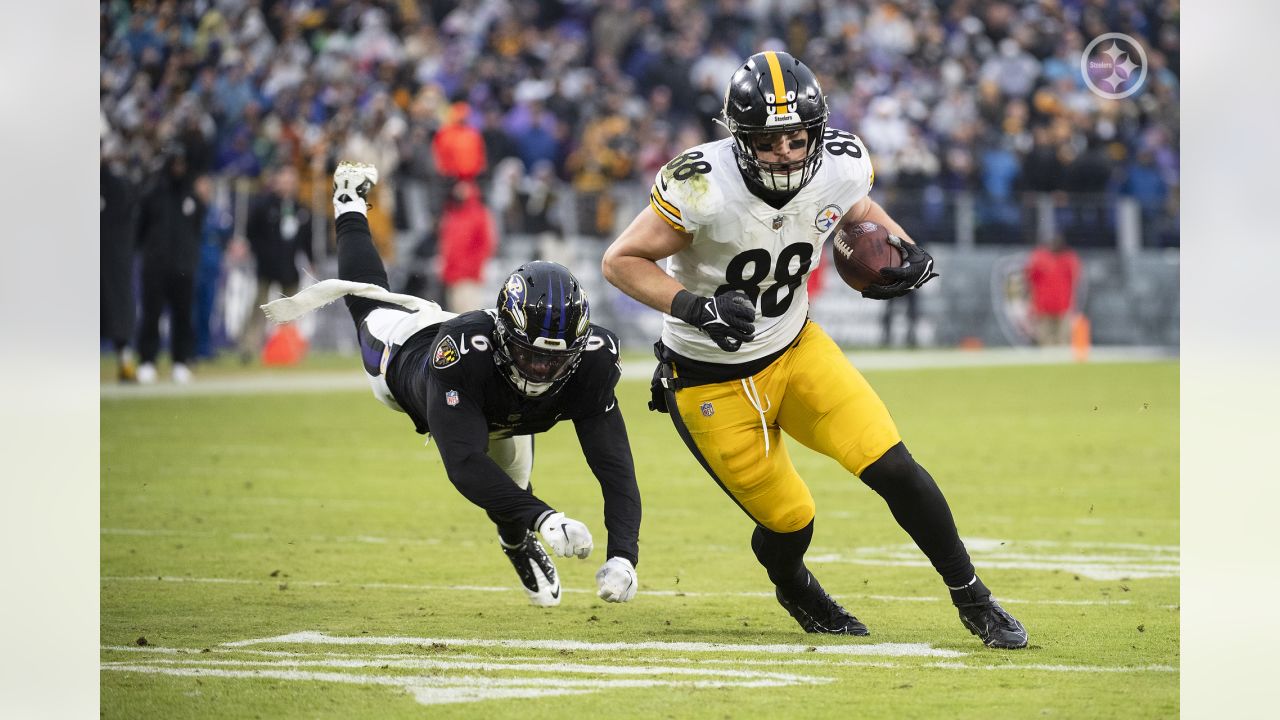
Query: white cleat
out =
(182, 374)
(146, 374)
(352, 180)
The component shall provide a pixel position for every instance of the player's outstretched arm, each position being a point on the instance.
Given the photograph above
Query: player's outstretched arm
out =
(608, 453)
(461, 433)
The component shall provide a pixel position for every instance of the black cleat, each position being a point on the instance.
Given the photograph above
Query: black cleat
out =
(818, 613)
(537, 573)
(984, 617)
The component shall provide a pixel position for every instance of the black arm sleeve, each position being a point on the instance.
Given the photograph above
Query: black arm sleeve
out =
(608, 453)
(462, 434)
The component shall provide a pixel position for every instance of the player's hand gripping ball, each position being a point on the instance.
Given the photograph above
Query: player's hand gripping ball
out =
(880, 265)
(862, 250)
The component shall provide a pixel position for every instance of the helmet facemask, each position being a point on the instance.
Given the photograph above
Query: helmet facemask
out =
(773, 93)
(534, 368)
(785, 176)
(542, 327)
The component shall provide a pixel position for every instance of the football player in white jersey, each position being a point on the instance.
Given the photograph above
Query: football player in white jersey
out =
(742, 221)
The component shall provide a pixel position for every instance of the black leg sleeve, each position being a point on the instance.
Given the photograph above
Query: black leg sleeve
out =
(919, 507)
(358, 261)
(782, 555)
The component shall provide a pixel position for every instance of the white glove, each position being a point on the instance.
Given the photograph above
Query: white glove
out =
(617, 580)
(566, 536)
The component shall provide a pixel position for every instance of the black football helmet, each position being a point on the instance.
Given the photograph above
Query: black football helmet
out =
(774, 92)
(542, 326)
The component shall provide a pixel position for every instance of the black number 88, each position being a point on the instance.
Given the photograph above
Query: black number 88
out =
(841, 142)
(687, 165)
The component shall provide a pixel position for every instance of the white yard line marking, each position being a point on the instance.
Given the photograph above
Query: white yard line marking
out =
(420, 663)
(538, 664)
(1094, 560)
(433, 690)
(310, 637)
(1057, 668)
(1093, 571)
(541, 676)
(296, 583)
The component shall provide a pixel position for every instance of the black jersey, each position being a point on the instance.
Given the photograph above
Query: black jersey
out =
(446, 379)
(459, 353)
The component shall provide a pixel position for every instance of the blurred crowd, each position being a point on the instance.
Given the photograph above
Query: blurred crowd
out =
(525, 101)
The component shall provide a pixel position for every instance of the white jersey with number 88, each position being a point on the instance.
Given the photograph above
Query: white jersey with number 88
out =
(742, 243)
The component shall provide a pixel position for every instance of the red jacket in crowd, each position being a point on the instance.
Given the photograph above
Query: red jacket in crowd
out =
(1052, 275)
(458, 147)
(467, 237)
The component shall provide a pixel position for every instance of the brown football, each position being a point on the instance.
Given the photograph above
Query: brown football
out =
(862, 249)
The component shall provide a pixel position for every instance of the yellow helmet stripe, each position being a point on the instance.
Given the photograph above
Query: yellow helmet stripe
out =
(779, 87)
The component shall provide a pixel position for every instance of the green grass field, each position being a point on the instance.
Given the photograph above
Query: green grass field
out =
(231, 521)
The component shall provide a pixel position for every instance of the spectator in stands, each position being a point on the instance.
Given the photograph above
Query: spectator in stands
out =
(264, 84)
(1143, 182)
(538, 195)
(279, 236)
(467, 241)
(459, 148)
(604, 157)
(170, 218)
(117, 206)
(215, 237)
(1052, 271)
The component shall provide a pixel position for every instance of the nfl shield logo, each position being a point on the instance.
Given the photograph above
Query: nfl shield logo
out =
(451, 398)
(708, 409)
(777, 221)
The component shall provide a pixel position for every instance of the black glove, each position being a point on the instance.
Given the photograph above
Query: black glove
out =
(729, 318)
(916, 270)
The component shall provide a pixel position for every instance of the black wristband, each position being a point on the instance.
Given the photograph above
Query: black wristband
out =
(685, 306)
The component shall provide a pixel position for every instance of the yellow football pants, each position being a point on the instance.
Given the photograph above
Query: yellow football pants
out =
(815, 395)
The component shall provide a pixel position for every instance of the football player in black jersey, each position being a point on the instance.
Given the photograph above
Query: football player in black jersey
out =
(483, 382)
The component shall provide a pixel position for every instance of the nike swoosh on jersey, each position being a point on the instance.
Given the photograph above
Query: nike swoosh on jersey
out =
(611, 406)
(462, 344)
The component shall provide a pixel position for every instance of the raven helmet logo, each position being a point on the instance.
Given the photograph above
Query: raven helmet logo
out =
(446, 354)
(827, 218)
(513, 300)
